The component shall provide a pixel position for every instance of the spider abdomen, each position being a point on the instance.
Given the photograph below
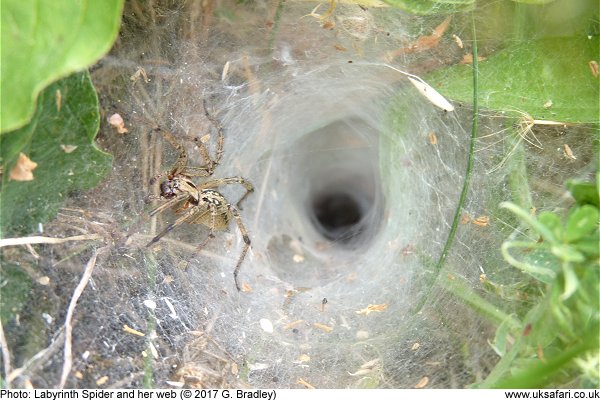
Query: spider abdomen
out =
(213, 197)
(216, 204)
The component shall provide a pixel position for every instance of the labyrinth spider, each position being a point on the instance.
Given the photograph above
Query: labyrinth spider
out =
(200, 203)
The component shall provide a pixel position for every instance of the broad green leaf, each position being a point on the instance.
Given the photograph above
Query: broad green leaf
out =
(532, 259)
(427, 7)
(526, 77)
(584, 192)
(45, 40)
(567, 253)
(581, 222)
(552, 222)
(589, 245)
(59, 138)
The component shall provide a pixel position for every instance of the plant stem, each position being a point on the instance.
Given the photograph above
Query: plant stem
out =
(461, 290)
(466, 182)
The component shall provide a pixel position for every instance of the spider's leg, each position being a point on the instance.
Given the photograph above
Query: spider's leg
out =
(246, 238)
(157, 177)
(219, 128)
(209, 165)
(203, 150)
(238, 266)
(228, 181)
(240, 224)
(211, 234)
(152, 197)
(249, 189)
(198, 171)
(169, 203)
(172, 225)
(182, 160)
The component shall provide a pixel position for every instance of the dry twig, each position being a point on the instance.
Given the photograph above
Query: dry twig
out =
(5, 355)
(85, 278)
(47, 240)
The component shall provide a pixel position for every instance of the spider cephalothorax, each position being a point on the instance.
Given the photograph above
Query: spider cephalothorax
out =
(174, 185)
(200, 203)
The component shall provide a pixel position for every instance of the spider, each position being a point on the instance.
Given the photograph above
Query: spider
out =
(200, 203)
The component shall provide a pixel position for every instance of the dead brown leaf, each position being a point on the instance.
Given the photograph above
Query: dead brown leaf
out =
(293, 324)
(422, 383)
(424, 42)
(102, 381)
(132, 331)
(140, 73)
(371, 308)
(458, 41)
(58, 99)
(329, 24)
(22, 171)
(594, 68)
(68, 148)
(568, 152)
(323, 327)
(432, 138)
(307, 385)
(116, 121)
(468, 59)
(540, 353)
(482, 221)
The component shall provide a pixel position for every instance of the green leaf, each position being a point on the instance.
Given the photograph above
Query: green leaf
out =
(552, 222)
(427, 7)
(526, 75)
(571, 282)
(581, 222)
(45, 40)
(542, 229)
(584, 192)
(60, 140)
(532, 259)
(541, 373)
(589, 245)
(567, 253)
